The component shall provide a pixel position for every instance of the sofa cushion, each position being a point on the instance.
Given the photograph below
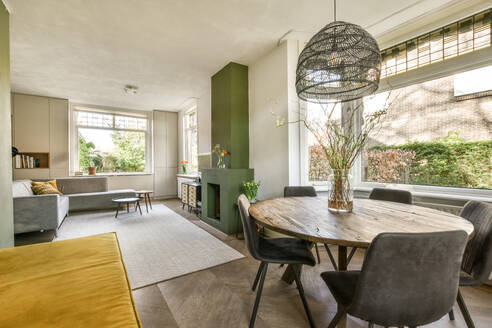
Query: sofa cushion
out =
(21, 188)
(97, 200)
(44, 188)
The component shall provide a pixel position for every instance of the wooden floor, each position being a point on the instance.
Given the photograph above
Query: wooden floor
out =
(222, 297)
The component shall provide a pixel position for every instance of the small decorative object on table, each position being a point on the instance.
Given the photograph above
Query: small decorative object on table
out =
(221, 154)
(250, 189)
(184, 166)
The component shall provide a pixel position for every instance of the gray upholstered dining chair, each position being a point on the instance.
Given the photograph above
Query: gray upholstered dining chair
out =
(304, 191)
(391, 195)
(477, 260)
(419, 288)
(274, 250)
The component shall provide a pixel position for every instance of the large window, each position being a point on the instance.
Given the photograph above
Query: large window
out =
(191, 139)
(436, 133)
(112, 142)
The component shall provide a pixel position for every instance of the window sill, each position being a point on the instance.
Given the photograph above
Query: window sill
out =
(449, 194)
(429, 192)
(108, 174)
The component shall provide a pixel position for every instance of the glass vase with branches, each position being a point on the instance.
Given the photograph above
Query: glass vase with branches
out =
(341, 130)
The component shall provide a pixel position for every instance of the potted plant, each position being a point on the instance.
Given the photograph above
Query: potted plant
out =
(96, 161)
(184, 166)
(250, 189)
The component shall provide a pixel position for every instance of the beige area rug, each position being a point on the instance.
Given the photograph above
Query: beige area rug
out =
(157, 246)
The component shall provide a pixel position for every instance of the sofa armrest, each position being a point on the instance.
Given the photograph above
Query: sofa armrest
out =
(34, 213)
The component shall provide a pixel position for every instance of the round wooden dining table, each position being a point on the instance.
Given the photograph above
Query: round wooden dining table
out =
(309, 218)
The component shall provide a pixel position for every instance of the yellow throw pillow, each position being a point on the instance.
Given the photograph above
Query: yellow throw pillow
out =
(44, 188)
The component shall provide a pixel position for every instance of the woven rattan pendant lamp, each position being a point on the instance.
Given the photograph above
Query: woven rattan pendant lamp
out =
(341, 62)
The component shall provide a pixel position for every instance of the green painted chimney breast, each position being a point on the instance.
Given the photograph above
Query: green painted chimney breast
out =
(230, 122)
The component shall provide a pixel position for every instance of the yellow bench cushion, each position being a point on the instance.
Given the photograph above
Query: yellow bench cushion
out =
(72, 283)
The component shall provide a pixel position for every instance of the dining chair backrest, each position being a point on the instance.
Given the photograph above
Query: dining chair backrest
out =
(251, 235)
(391, 195)
(409, 279)
(477, 259)
(300, 191)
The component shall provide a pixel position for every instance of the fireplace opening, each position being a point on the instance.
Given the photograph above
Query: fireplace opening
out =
(213, 201)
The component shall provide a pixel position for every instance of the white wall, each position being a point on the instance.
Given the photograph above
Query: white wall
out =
(204, 117)
(137, 182)
(274, 151)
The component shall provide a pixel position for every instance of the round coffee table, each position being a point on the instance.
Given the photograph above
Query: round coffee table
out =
(145, 194)
(127, 201)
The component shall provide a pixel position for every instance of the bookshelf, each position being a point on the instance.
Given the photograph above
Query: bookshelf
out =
(42, 158)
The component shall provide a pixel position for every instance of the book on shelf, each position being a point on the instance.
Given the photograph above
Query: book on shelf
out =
(22, 161)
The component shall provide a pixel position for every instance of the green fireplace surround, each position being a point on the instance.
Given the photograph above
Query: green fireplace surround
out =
(230, 129)
(220, 190)
(230, 119)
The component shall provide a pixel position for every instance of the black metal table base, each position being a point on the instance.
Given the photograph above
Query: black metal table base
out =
(137, 206)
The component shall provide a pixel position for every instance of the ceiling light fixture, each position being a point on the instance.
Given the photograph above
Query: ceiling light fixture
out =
(130, 89)
(341, 62)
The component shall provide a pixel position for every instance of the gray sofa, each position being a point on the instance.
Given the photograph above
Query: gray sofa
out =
(35, 213)
(46, 212)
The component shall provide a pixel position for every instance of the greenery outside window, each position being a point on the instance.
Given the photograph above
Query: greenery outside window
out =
(113, 142)
(191, 139)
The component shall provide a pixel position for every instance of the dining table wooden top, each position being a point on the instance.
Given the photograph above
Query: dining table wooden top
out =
(309, 218)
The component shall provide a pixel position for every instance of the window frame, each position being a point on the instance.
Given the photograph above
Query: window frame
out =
(74, 133)
(429, 72)
(186, 152)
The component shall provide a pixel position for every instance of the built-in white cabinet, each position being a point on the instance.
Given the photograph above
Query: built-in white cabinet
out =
(40, 125)
(165, 153)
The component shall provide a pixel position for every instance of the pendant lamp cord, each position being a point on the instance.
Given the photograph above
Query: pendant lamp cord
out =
(335, 10)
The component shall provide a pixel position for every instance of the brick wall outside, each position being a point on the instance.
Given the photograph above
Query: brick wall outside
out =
(429, 110)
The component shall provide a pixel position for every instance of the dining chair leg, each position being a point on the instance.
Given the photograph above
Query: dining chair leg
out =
(258, 296)
(451, 315)
(352, 252)
(370, 325)
(337, 318)
(332, 259)
(303, 298)
(317, 252)
(464, 311)
(260, 269)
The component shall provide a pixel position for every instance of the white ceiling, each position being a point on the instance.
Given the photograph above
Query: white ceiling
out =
(87, 50)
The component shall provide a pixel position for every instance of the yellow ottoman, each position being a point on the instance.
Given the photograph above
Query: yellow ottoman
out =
(72, 283)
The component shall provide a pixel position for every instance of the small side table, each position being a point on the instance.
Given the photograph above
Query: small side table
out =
(127, 201)
(145, 194)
